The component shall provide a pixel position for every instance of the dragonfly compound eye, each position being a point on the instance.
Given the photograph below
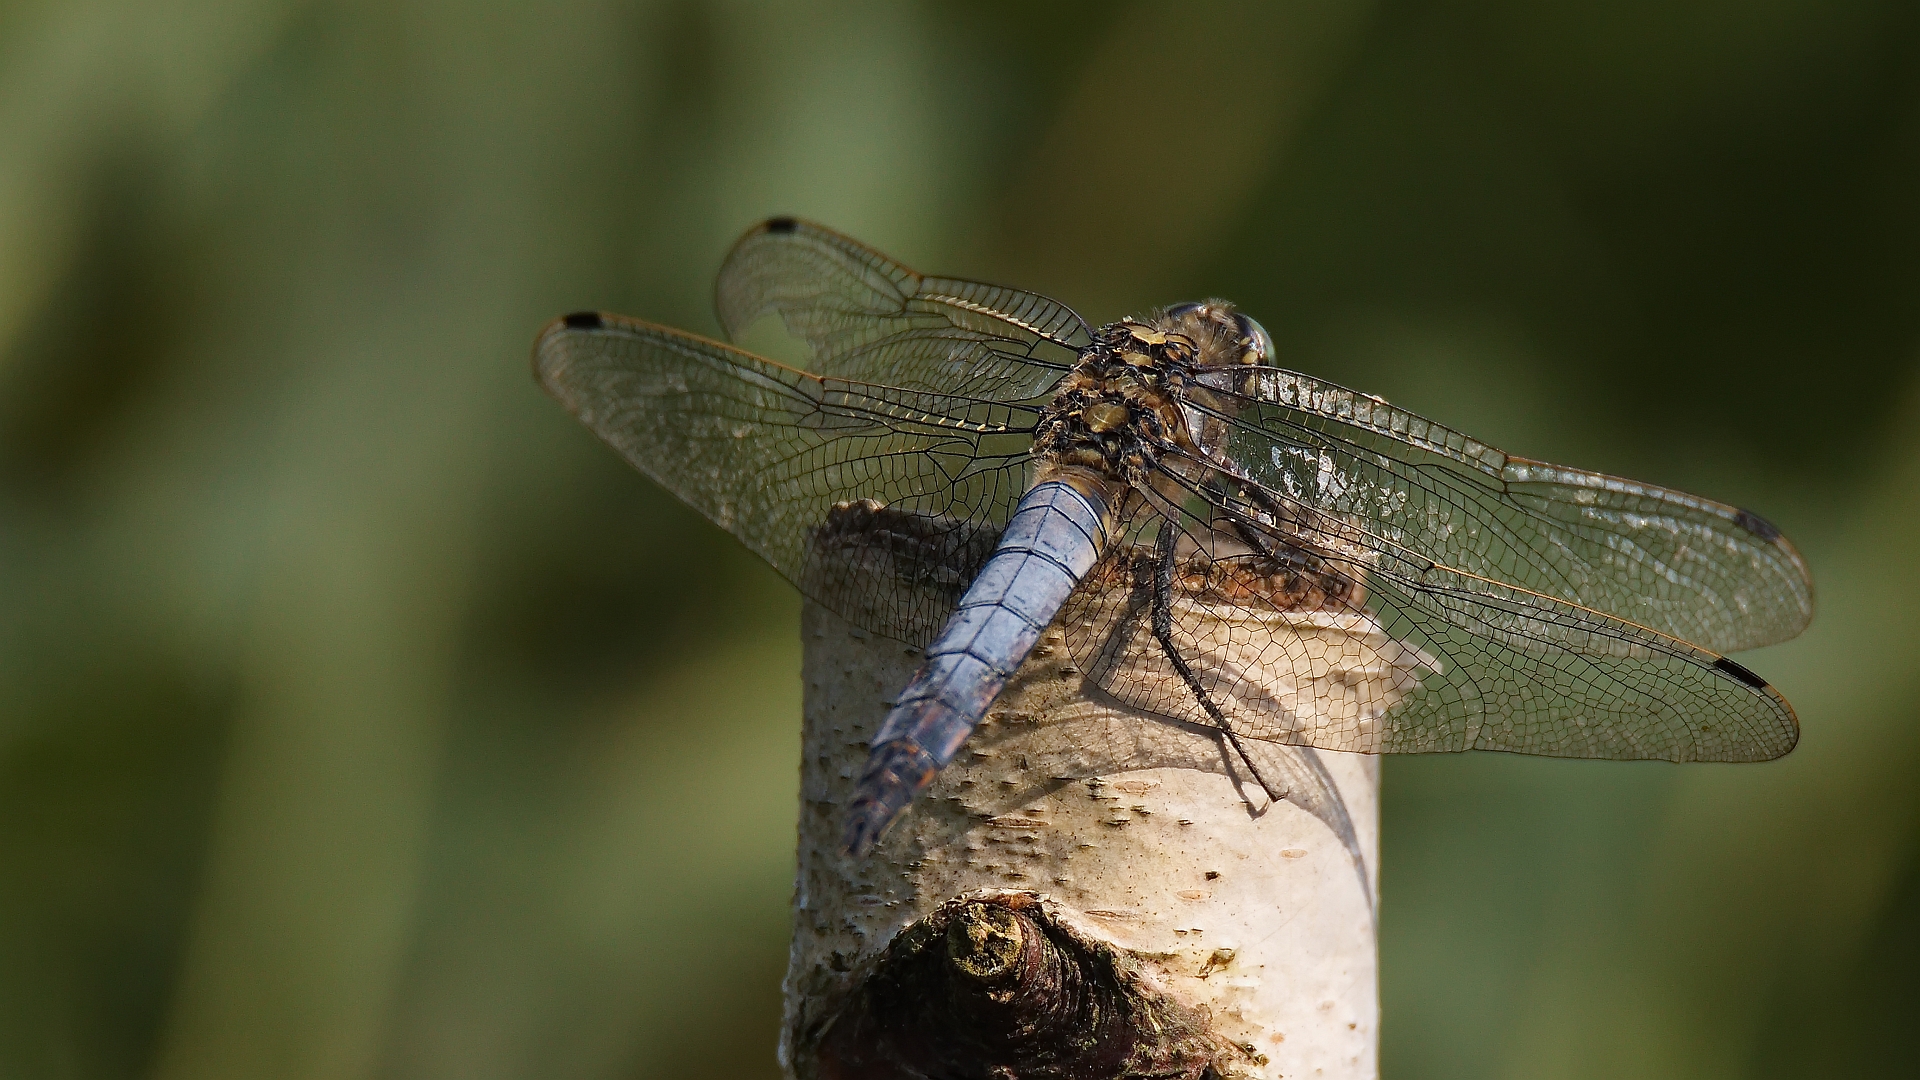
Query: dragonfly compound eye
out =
(1259, 342)
(1106, 415)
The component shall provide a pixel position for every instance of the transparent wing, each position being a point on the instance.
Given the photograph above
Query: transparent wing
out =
(867, 317)
(821, 476)
(1413, 492)
(1399, 657)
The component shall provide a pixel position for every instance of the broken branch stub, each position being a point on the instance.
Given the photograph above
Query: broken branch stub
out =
(1087, 890)
(996, 986)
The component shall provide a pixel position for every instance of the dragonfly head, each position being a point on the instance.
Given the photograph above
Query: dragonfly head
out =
(1221, 333)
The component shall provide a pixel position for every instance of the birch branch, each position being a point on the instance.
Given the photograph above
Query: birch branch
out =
(1086, 891)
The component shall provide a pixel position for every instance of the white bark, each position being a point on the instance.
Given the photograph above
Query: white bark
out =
(1141, 832)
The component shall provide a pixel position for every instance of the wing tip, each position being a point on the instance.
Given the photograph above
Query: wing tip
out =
(1795, 574)
(544, 360)
(1755, 524)
(737, 312)
(778, 225)
(1768, 533)
(1740, 673)
(1789, 720)
(578, 320)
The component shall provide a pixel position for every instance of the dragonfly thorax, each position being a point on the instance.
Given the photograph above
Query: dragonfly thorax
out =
(1120, 406)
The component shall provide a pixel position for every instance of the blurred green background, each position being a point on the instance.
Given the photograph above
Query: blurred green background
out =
(361, 716)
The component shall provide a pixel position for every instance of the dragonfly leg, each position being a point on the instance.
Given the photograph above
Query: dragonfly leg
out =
(1163, 632)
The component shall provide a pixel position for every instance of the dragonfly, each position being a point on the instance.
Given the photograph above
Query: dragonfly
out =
(962, 465)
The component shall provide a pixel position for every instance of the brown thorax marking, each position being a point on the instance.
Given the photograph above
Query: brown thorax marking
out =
(1119, 409)
(1120, 406)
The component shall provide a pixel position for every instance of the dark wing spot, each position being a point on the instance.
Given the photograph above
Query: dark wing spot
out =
(1741, 673)
(583, 320)
(781, 225)
(1757, 525)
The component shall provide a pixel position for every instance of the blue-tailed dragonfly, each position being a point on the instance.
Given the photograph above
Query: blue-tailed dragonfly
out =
(964, 464)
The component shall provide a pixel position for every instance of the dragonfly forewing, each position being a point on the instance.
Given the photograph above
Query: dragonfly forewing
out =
(868, 317)
(1708, 573)
(768, 453)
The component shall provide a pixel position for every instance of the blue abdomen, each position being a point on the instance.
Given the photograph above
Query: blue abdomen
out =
(1055, 537)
